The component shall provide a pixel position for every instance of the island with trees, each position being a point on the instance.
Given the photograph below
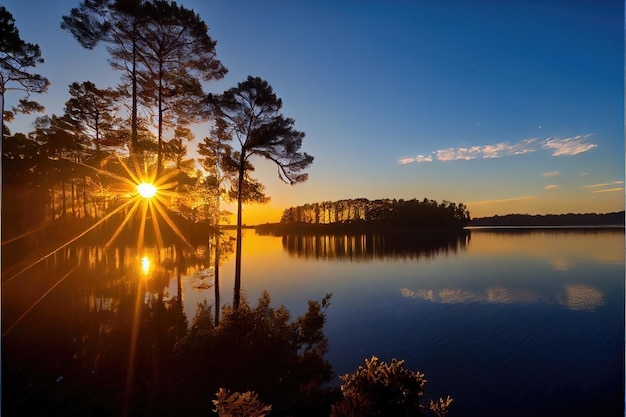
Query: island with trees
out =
(363, 215)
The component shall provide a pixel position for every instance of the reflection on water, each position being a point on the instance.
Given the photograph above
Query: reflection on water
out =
(365, 247)
(576, 297)
(505, 313)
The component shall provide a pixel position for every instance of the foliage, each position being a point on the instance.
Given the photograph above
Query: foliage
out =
(403, 213)
(16, 59)
(381, 389)
(174, 52)
(250, 113)
(441, 406)
(260, 349)
(570, 219)
(93, 111)
(239, 405)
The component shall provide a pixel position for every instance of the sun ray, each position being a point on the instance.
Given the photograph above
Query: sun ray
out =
(135, 179)
(19, 319)
(142, 226)
(167, 186)
(160, 182)
(126, 219)
(130, 376)
(30, 232)
(109, 174)
(155, 224)
(102, 220)
(172, 225)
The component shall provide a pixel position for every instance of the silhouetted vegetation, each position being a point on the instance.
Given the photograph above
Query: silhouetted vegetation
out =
(250, 113)
(386, 213)
(380, 389)
(17, 59)
(588, 219)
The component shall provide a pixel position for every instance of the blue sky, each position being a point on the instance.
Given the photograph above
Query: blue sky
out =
(507, 106)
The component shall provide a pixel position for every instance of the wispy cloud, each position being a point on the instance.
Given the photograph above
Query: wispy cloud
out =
(551, 187)
(603, 184)
(418, 158)
(608, 190)
(551, 174)
(569, 146)
(498, 150)
(456, 154)
(559, 146)
(505, 200)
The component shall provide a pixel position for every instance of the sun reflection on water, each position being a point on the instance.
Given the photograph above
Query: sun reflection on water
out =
(145, 265)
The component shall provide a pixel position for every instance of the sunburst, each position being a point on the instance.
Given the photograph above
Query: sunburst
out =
(149, 197)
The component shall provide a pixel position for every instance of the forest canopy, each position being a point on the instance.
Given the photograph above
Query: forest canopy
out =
(385, 212)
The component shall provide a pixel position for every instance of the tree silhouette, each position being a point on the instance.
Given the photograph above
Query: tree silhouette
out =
(251, 113)
(383, 212)
(16, 59)
(115, 23)
(164, 52)
(93, 110)
(174, 50)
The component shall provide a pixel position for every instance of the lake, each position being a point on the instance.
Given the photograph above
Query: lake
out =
(507, 321)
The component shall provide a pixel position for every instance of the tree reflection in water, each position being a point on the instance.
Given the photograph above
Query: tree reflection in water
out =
(114, 341)
(374, 246)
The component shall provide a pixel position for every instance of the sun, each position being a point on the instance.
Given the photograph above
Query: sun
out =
(146, 190)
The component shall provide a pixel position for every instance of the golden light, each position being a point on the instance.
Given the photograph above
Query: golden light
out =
(146, 190)
(145, 265)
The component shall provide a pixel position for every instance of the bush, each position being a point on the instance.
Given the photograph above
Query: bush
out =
(261, 349)
(379, 389)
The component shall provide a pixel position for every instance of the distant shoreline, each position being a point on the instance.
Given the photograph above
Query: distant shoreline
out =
(588, 220)
(518, 221)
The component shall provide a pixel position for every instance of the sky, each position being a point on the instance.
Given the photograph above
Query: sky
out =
(513, 106)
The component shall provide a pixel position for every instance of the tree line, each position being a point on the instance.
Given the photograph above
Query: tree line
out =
(78, 164)
(570, 219)
(387, 212)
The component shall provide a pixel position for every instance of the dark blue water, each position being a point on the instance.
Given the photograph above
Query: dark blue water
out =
(508, 323)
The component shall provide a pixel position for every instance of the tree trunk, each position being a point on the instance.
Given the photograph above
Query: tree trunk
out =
(63, 206)
(160, 122)
(134, 135)
(237, 290)
(216, 280)
(52, 200)
(84, 196)
(72, 197)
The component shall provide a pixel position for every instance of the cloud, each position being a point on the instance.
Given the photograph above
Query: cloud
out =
(455, 154)
(569, 146)
(608, 190)
(418, 158)
(551, 187)
(498, 150)
(551, 174)
(506, 149)
(506, 200)
(560, 147)
(603, 184)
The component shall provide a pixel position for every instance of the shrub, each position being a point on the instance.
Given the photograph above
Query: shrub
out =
(380, 389)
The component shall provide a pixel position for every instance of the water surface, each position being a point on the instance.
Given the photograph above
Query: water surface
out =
(507, 322)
